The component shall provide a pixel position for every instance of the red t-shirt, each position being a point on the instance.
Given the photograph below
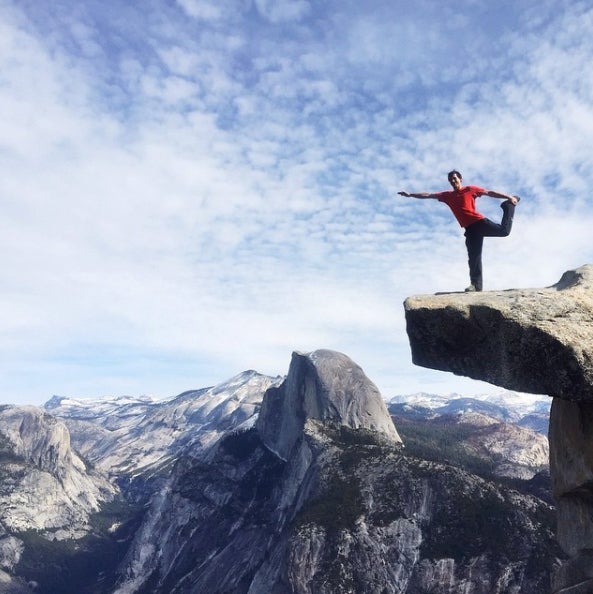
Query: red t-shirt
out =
(463, 204)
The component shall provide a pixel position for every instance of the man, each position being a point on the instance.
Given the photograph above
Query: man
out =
(462, 202)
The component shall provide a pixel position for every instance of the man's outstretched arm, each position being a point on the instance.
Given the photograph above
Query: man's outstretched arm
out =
(502, 196)
(418, 194)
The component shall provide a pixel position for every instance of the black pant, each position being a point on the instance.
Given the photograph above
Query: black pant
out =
(474, 238)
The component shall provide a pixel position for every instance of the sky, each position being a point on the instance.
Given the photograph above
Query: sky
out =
(193, 188)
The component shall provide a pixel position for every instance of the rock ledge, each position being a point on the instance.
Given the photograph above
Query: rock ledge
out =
(528, 340)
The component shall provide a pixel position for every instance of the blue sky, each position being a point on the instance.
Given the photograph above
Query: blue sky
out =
(191, 188)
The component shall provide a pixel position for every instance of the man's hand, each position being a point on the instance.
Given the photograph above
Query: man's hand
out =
(406, 194)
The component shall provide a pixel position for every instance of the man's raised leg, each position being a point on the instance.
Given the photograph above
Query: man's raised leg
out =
(508, 209)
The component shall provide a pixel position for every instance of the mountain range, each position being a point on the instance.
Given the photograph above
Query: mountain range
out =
(305, 483)
(525, 410)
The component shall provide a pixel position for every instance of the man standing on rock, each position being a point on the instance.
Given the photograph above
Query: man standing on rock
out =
(462, 202)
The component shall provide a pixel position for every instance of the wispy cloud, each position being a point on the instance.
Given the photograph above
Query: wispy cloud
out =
(194, 188)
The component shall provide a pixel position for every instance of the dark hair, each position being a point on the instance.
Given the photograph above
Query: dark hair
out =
(451, 173)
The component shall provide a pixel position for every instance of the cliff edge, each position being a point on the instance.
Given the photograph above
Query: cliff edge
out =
(529, 340)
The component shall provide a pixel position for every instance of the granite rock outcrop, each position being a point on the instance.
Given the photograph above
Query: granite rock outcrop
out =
(47, 491)
(41, 466)
(323, 386)
(538, 341)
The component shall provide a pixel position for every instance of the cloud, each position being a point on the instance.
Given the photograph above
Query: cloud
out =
(202, 9)
(279, 11)
(201, 184)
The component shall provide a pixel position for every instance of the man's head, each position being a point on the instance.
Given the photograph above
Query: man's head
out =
(455, 179)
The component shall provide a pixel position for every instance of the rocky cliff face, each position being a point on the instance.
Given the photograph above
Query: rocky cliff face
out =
(45, 488)
(320, 497)
(540, 341)
(43, 467)
(323, 386)
(63, 521)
